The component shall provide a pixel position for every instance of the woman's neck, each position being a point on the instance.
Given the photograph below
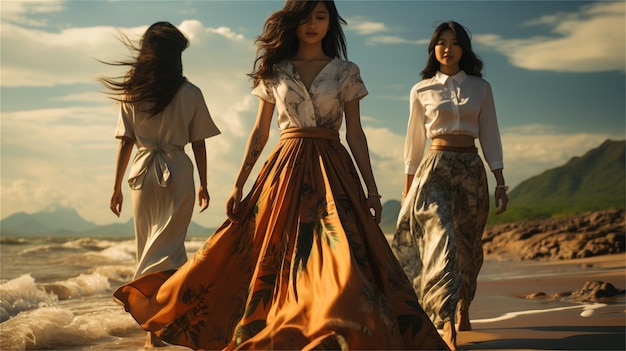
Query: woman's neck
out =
(450, 70)
(309, 53)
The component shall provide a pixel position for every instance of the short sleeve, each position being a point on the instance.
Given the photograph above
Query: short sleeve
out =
(202, 125)
(264, 92)
(353, 86)
(125, 128)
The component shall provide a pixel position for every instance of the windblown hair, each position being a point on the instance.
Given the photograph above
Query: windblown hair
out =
(279, 40)
(469, 63)
(156, 72)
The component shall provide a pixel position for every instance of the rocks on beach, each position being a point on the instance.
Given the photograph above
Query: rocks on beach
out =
(584, 235)
(592, 291)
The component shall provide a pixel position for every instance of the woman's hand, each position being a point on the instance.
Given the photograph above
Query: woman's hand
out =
(116, 202)
(501, 200)
(203, 198)
(500, 195)
(373, 203)
(232, 205)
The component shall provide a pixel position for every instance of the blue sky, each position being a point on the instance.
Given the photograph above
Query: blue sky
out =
(556, 68)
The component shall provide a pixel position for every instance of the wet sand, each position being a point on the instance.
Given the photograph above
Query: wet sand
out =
(504, 319)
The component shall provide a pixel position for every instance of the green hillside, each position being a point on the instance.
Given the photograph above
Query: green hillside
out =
(594, 181)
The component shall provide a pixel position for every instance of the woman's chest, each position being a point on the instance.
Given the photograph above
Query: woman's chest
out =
(444, 100)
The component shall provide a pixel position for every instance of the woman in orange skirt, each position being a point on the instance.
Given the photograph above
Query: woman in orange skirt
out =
(301, 263)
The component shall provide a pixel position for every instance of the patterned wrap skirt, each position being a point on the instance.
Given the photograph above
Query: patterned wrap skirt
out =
(306, 268)
(438, 238)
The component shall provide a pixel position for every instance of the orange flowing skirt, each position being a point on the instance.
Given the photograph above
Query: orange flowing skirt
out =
(307, 267)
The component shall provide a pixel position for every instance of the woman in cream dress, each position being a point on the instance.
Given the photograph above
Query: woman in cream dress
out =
(161, 112)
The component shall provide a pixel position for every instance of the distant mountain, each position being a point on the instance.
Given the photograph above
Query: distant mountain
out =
(64, 221)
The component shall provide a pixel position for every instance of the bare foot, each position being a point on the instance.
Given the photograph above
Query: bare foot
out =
(464, 321)
(449, 334)
(153, 341)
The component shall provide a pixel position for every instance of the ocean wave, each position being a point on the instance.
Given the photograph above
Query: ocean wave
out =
(24, 294)
(14, 241)
(80, 244)
(59, 328)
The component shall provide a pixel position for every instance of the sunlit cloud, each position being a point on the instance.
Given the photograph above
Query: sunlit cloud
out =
(372, 30)
(88, 96)
(365, 27)
(392, 39)
(591, 40)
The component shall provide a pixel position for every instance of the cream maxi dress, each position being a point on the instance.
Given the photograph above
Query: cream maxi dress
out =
(161, 175)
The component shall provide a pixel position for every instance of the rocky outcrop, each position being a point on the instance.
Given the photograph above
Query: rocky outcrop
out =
(584, 235)
(592, 291)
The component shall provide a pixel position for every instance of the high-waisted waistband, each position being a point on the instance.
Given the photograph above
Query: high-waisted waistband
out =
(324, 133)
(462, 149)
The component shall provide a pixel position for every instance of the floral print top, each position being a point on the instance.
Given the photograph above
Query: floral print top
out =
(319, 106)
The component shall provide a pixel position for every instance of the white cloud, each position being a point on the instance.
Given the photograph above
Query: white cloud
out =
(19, 11)
(364, 27)
(373, 29)
(591, 40)
(88, 96)
(71, 54)
(392, 39)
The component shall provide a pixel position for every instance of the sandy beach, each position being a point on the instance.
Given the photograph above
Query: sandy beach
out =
(503, 318)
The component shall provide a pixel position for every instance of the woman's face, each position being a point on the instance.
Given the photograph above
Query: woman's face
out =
(314, 29)
(448, 51)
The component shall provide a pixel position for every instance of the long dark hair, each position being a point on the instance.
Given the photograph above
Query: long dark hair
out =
(279, 41)
(156, 73)
(470, 63)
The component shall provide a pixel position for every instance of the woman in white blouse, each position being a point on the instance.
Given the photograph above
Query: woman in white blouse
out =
(445, 198)
(301, 263)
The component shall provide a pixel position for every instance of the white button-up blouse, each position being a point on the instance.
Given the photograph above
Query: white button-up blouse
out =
(459, 104)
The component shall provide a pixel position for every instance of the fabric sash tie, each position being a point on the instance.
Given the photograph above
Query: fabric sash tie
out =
(461, 149)
(314, 132)
(148, 155)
